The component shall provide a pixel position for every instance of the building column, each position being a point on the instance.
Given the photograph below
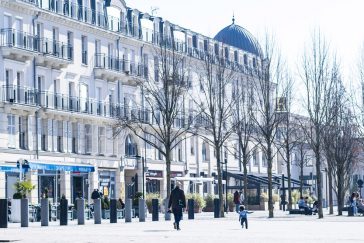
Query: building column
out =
(2, 184)
(65, 184)
(32, 175)
(119, 184)
(94, 180)
(31, 131)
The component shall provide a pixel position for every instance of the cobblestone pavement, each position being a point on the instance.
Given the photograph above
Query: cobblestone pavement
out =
(282, 228)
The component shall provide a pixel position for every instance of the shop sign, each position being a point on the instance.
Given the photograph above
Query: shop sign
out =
(130, 163)
(176, 174)
(154, 173)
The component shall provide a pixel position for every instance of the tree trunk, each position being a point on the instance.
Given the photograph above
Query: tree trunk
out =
(340, 192)
(289, 206)
(245, 162)
(219, 180)
(301, 178)
(168, 171)
(270, 187)
(318, 179)
(331, 201)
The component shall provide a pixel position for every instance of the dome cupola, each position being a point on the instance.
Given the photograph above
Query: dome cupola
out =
(237, 36)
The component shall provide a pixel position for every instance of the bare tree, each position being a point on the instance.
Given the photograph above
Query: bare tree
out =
(162, 122)
(244, 127)
(340, 141)
(301, 159)
(287, 131)
(215, 108)
(265, 118)
(316, 69)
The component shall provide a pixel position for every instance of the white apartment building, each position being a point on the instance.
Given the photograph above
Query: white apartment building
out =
(68, 69)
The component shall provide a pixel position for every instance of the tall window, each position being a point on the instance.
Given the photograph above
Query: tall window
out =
(205, 152)
(255, 158)
(102, 140)
(70, 45)
(44, 135)
(84, 49)
(264, 158)
(75, 138)
(88, 139)
(23, 132)
(130, 147)
(192, 144)
(11, 131)
(59, 136)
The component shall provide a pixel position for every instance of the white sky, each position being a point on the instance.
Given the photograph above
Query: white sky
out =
(291, 21)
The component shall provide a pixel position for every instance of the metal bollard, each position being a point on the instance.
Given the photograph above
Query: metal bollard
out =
(63, 211)
(3, 213)
(128, 208)
(80, 211)
(141, 210)
(155, 211)
(113, 211)
(216, 208)
(24, 221)
(167, 215)
(44, 212)
(63, 217)
(97, 211)
(191, 209)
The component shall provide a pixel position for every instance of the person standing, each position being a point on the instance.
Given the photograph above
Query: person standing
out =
(242, 198)
(177, 201)
(237, 201)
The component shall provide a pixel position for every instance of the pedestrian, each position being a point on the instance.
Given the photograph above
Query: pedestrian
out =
(243, 216)
(177, 201)
(237, 201)
(242, 198)
(95, 194)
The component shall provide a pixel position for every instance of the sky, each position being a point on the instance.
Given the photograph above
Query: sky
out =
(291, 22)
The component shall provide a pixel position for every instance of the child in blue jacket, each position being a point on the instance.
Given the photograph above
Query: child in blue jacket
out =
(243, 216)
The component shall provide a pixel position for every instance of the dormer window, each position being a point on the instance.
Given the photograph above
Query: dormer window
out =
(236, 56)
(245, 59)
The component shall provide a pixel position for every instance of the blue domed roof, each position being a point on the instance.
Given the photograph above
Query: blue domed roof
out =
(237, 36)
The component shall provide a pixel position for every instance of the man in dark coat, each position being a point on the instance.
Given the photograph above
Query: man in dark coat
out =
(95, 194)
(177, 201)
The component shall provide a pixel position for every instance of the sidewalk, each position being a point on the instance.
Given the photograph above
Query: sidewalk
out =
(282, 228)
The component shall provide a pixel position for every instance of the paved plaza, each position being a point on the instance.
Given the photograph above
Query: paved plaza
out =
(283, 228)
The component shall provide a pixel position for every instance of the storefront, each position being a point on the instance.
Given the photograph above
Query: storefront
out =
(107, 183)
(57, 179)
(11, 176)
(153, 181)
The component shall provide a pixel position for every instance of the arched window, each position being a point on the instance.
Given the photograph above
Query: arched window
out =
(131, 148)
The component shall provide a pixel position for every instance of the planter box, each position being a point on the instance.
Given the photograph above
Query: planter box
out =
(105, 213)
(15, 210)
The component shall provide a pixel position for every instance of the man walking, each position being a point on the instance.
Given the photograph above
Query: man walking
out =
(177, 201)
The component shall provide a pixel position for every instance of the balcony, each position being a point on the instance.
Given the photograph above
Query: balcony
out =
(54, 54)
(18, 45)
(136, 72)
(107, 68)
(21, 46)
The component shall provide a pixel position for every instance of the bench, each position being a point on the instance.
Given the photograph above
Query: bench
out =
(297, 211)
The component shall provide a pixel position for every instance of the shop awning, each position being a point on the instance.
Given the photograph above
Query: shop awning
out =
(9, 168)
(62, 167)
